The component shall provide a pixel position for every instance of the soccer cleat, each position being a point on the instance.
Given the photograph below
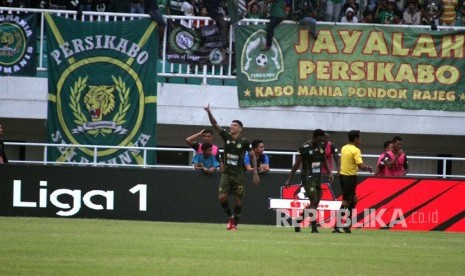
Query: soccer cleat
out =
(337, 230)
(231, 224)
(296, 222)
(315, 230)
(347, 230)
(233, 228)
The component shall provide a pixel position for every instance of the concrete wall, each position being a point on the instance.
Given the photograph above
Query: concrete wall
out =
(180, 104)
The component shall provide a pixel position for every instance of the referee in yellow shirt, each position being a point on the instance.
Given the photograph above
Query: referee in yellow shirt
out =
(351, 162)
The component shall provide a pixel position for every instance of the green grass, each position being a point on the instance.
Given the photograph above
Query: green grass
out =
(52, 246)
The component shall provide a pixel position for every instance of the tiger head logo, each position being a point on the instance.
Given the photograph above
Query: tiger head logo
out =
(100, 101)
(6, 39)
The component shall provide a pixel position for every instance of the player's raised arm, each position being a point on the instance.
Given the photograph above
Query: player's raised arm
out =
(212, 119)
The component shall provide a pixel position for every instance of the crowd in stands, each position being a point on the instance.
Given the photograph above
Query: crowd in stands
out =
(407, 12)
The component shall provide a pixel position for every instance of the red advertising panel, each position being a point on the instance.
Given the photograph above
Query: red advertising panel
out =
(411, 204)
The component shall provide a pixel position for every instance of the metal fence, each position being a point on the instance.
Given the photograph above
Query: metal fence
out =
(424, 171)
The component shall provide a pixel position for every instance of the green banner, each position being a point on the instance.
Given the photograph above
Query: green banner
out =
(356, 65)
(102, 89)
(18, 38)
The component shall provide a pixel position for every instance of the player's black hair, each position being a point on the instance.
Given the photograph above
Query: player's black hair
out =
(396, 138)
(386, 144)
(238, 122)
(206, 146)
(318, 133)
(207, 131)
(353, 134)
(256, 142)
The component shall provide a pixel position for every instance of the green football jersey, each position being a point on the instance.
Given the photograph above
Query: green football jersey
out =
(312, 161)
(234, 151)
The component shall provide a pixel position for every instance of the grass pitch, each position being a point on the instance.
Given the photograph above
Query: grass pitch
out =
(53, 246)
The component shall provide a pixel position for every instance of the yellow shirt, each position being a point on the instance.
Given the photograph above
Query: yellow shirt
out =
(351, 156)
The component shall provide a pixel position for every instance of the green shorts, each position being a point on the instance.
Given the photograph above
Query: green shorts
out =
(312, 190)
(232, 184)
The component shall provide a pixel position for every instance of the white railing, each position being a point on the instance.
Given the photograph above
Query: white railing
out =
(370, 159)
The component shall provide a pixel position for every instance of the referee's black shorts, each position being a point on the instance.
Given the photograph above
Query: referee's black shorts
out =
(348, 185)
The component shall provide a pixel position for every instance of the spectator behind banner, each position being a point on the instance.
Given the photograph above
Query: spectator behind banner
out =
(152, 8)
(205, 161)
(163, 6)
(137, 6)
(102, 5)
(305, 13)
(432, 10)
(204, 13)
(387, 16)
(174, 7)
(449, 14)
(355, 7)
(216, 12)
(411, 14)
(368, 17)
(3, 158)
(188, 10)
(263, 161)
(380, 8)
(349, 16)
(371, 6)
(395, 160)
(397, 17)
(253, 10)
(279, 12)
(84, 5)
(333, 10)
(380, 168)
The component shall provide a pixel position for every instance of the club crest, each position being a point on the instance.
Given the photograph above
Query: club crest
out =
(258, 65)
(99, 117)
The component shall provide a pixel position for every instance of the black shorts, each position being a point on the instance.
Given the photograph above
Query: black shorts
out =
(348, 185)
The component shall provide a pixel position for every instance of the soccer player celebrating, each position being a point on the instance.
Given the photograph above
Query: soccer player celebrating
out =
(233, 176)
(313, 158)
